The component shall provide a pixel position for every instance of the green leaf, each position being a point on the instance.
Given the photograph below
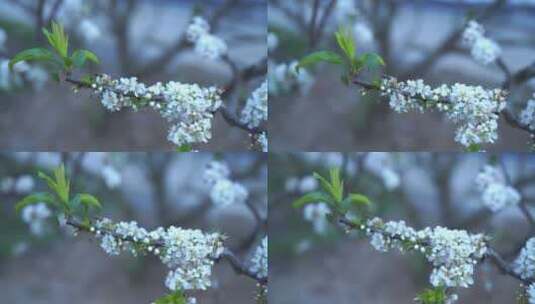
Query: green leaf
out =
(474, 148)
(173, 298)
(346, 42)
(58, 39)
(36, 54)
(435, 295)
(184, 148)
(358, 199)
(89, 201)
(312, 197)
(337, 184)
(63, 184)
(321, 56)
(60, 185)
(41, 197)
(325, 184)
(79, 57)
(371, 61)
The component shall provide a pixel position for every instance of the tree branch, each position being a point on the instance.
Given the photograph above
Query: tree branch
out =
(238, 266)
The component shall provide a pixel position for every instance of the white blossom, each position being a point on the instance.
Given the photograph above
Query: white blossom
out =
(263, 141)
(189, 253)
(272, 41)
(528, 114)
(21, 73)
(363, 33)
(111, 177)
(35, 216)
(259, 261)
(226, 192)
(474, 109)
(24, 184)
(378, 242)
(89, 30)
(197, 28)
(531, 293)
(223, 191)
(284, 78)
(188, 106)
(307, 184)
(483, 49)
(316, 214)
(525, 262)
(206, 44)
(495, 193)
(256, 108)
(215, 171)
(452, 253)
(110, 245)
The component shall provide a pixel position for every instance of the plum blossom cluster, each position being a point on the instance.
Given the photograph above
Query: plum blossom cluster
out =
(452, 253)
(495, 193)
(381, 164)
(206, 44)
(19, 185)
(35, 216)
(259, 261)
(189, 107)
(524, 264)
(483, 49)
(189, 253)
(317, 214)
(528, 114)
(284, 78)
(256, 107)
(262, 140)
(474, 109)
(223, 191)
(531, 293)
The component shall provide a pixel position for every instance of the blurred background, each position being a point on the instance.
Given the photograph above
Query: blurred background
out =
(410, 36)
(49, 265)
(315, 263)
(132, 38)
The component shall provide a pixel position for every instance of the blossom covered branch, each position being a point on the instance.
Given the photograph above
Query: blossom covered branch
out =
(452, 253)
(190, 254)
(188, 107)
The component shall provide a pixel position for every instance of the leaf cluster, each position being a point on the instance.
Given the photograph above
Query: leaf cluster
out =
(332, 193)
(347, 57)
(59, 197)
(59, 56)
